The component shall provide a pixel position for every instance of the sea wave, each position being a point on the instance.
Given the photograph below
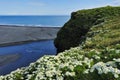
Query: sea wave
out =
(28, 25)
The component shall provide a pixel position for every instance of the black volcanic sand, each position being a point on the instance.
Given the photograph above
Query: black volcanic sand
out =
(12, 35)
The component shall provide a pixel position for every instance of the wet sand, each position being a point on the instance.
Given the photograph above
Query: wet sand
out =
(8, 58)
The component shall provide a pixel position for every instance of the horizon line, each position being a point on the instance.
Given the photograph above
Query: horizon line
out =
(35, 15)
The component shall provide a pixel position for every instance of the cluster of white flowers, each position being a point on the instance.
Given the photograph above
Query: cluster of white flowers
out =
(96, 56)
(53, 64)
(57, 67)
(116, 60)
(108, 67)
(50, 67)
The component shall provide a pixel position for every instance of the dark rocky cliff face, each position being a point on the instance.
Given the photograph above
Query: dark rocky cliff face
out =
(73, 32)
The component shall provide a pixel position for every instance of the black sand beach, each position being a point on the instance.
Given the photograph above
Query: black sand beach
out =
(12, 34)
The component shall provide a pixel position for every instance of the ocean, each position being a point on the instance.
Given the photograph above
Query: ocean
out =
(44, 21)
(29, 52)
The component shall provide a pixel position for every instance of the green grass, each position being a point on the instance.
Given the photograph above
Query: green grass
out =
(74, 31)
(104, 35)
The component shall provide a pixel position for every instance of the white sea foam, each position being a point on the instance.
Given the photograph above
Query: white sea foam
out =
(30, 25)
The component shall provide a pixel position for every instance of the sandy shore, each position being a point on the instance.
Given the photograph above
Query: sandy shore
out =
(11, 35)
(6, 59)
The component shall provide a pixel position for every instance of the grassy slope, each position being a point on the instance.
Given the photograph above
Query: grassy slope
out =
(97, 59)
(104, 35)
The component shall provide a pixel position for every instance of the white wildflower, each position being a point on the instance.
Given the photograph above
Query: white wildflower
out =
(117, 51)
(86, 71)
(96, 56)
(70, 73)
(116, 75)
(49, 73)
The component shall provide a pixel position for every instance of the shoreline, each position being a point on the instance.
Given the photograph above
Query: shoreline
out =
(21, 42)
(14, 35)
(29, 26)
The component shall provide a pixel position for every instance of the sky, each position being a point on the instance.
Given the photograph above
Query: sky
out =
(50, 7)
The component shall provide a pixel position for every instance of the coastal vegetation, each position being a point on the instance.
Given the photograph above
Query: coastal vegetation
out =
(74, 31)
(95, 36)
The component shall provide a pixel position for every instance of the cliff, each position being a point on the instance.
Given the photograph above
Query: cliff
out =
(74, 31)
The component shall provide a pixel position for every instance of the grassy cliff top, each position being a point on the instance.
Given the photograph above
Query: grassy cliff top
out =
(96, 58)
(74, 31)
